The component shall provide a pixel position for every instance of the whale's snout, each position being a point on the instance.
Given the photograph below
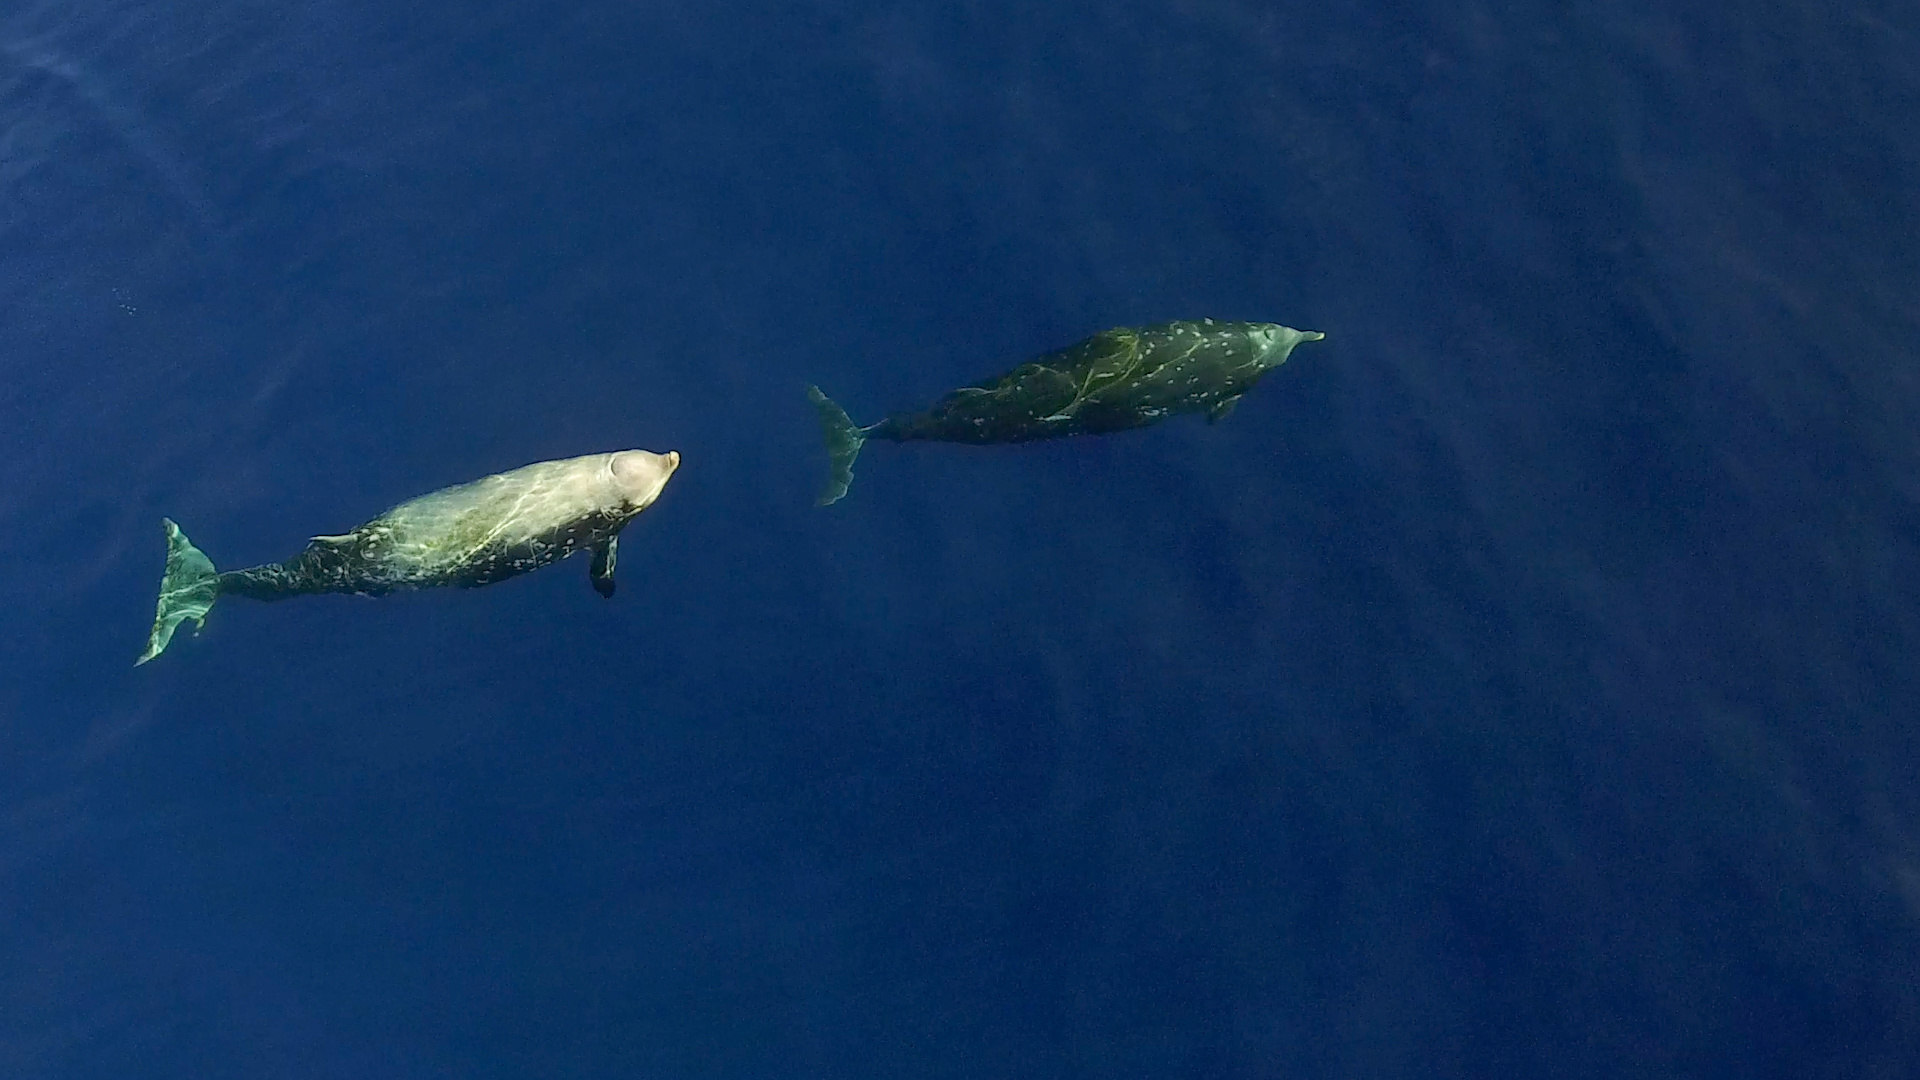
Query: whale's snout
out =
(641, 474)
(1272, 342)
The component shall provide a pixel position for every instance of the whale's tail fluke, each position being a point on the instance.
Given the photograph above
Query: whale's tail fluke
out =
(187, 591)
(844, 440)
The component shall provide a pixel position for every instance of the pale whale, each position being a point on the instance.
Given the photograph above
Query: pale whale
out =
(468, 535)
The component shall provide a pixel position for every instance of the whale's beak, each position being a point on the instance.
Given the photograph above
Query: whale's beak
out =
(1274, 342)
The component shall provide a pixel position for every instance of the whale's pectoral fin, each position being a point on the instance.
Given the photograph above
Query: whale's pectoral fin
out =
(340, 539)
(1221, 409)
(605, 553)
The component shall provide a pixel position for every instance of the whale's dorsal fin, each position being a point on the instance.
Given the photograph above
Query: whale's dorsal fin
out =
(600, 572)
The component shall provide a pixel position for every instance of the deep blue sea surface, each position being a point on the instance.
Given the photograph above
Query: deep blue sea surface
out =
(1520, 683)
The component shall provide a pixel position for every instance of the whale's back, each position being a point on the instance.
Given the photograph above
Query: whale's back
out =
(529, 516)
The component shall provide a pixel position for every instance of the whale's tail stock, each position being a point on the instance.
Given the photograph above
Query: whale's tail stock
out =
(187, 591)
(844, 440)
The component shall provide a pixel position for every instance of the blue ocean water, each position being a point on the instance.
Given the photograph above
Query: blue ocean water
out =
(1519, 683)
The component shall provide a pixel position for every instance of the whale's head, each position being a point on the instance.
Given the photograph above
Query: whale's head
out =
(639, 475)
(1273, 342)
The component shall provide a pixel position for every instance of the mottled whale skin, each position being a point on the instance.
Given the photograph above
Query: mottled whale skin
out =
(1118, 379)
(464, 536)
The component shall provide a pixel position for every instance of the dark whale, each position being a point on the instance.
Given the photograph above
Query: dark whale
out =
(1118, 379)
(468, 535)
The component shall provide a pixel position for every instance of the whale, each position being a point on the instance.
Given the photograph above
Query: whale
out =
(1126, 377)
(465, 536)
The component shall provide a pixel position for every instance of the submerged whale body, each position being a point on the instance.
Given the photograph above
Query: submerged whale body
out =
(1118, 379)
(467, 535)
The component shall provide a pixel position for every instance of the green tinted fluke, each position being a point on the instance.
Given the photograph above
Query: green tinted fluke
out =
(844, 440)
(187, 591)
